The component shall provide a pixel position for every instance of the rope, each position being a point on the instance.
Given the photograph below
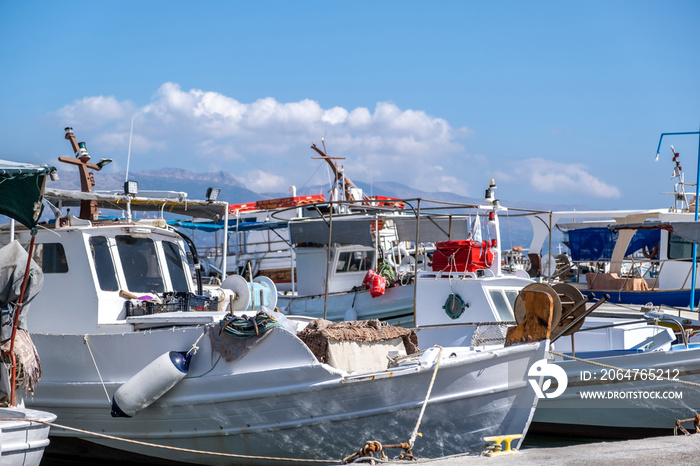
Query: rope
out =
(247, 327)
(607, 366)
(425, 403)
(85, 339)
(167, 447)
(194, 347)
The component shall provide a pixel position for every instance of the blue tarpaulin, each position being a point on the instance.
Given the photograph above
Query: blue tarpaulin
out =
(216, 226)
(592, 244)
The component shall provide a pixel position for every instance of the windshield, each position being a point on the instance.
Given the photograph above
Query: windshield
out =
(140, 264)
(104, 265)
(173, 259)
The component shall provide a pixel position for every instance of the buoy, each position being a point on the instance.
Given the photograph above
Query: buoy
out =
(377, 286)
(367, 282)
(149, 384)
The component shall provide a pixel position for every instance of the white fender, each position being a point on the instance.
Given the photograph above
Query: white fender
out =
(149, 384)
(350, 314)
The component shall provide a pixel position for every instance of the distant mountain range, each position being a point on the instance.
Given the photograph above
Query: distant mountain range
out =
(167, 179)
(232, 190)
(516, 232)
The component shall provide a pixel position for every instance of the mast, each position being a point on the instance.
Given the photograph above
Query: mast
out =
(88, 209)
(337, 173)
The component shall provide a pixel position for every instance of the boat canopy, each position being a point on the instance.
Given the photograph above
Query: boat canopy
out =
(21, 188)
(214, 210)
(689, 231)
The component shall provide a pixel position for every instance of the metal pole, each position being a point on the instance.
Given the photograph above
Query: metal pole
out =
(224, 259)
(697, 195)
(695, 246)
(415, 274)
(328, 261)
(18, 310)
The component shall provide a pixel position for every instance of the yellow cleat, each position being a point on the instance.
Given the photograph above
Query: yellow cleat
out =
(496, 448)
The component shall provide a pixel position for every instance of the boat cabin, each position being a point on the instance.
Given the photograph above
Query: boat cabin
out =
(91, 268)
(347, 267)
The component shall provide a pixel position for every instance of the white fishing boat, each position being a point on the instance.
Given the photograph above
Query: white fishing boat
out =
(334, 256)
(143, 365)
(23, 432)
(623, 253)
(622, 374)
(624, 389)
(259, 243)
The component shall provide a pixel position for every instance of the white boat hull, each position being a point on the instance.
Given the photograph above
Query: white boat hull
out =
(394, 306)
(22, 439)
(278, 401)
(631, 406)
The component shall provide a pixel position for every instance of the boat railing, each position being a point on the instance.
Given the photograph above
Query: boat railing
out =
(632, 268)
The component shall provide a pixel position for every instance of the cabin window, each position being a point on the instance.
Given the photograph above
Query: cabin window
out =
(104, 264)
(140, 264)
(501, 304)
(678, 248)
(354, 261)
(173, 259)
(51, 257)
(511, 295)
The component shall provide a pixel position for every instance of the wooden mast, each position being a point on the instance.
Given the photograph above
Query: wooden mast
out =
(347, 184)
(88, 209)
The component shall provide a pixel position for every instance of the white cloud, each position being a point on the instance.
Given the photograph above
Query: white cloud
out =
(92, 112)
(260, 181)
(204, 130)
(548, 176)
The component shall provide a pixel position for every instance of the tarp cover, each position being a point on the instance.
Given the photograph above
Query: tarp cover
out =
(344, 232)
(432, 229)
(13, 262)
(592, 244)
(21, 188)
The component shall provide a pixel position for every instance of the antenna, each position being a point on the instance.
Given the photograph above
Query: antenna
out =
(128, 154)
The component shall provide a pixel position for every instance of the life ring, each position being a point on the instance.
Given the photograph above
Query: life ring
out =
(650, 253)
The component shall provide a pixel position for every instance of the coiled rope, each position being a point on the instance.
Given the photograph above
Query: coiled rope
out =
(246, 327)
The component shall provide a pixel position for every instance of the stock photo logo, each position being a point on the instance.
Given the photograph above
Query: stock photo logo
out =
(549, 371)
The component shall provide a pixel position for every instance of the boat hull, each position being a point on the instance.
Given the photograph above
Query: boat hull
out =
(394, 306)
(278, 401)
(22, 438)
(630, 406)
(673, 298)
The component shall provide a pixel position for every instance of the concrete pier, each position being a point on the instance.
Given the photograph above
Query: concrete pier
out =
(656, 450)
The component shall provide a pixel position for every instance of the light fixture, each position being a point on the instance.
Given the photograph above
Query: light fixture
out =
(213, 194)
(82, 150)
(103, 162)
(131, 187)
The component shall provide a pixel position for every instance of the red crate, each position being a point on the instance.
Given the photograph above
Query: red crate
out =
(460, 256)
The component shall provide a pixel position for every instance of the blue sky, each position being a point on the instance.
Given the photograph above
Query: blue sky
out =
(560, 101)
